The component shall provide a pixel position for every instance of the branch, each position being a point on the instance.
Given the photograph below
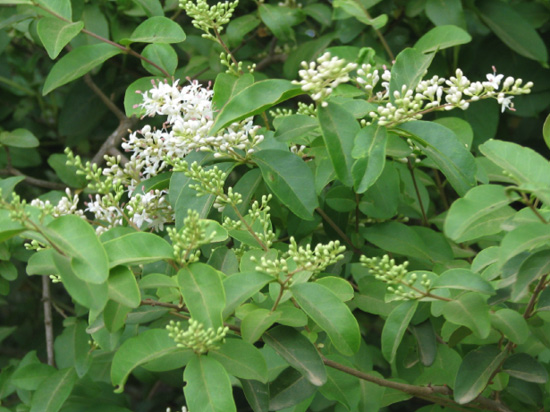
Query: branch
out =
(115, 138)
(337, 229)
(32, 180)
(108, 102)
(48, 322)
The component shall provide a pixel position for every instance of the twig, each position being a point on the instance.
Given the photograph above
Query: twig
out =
(32, 180)
(48, 322)
(337, 229)
(108, 102)
(115, 138)
(531, 305)
(411, 170)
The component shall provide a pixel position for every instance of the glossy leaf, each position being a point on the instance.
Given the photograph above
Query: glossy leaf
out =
(53, 391)
(294, 127)
(256, 322)
(137, 248)
(339, 286)
(479, 213)
(132, 95)
(55, 34)
(255, 99)
(290, 179)
(526, 368)
(449, 154)
(123, 287)
(77, 63)
(115, 315)
(140, 349)
(524, 237)
(208, 388)
(395, 327)
(370, 151)
(442, 37)
(398, 238)
(298, 351)
(445, 12)
(330, 314)
(513, 30)
(408, 69)
(470, 310)
(511, 324)
(202, 290)
(257, 395)
(240, 287)
(227, 86)
(339, 129)
(532, 269)
(163, 55)
(289, 389)
(157, 29)
(60, 7)
(241, 359)
(19, 138)
(463, 279)
(475, 371)
(358, 10)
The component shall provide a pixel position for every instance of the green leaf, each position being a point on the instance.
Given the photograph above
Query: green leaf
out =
(339, 286)
(239, 27)
(19, 138)
(90, 295)
(290, 179)
(137, 248)
(151, 7)
(157, 29)
(370, 152)
(158, 280)
(115, 315)
(256, 322)
(339, 129)
(449, 154)
(240, 287)
(163, 55)
(525, 237)
(359, 11)
(479, 213)
(442, 12)
(78, 240)
(331, 314)
(408, 70)
(543, 303)
(525, 166)
(546, 131)
(241, 359)
(524, 367)
(470, 310)
(426, 340)
(532, 268)
(67, 174)
(227, 86)
(512, 325)
(257, 395)
(202, 290)
(29, 377)
(77, 63)
(60, 7)
(208, 388)
(289, 389)
(140, 349)
(298, 351)
(295, 127)
(475, 371)
(513, 29)
(53, 391)
(253, 100)
(463, 279)
(55, 34)
(123, 287)
(7, 186)
(341, 387)
(442, 37)
(281, 19)
(72, 348)
(132, 96)
(395, 327)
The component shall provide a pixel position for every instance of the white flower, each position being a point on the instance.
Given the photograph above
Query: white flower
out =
(505, 102)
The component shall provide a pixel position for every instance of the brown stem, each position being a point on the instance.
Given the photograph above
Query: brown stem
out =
(411, 170)
(533, 300)
(108, 102)
(115, 138)
(225, 48)
(337, 229)
(531, 206)
(32, 180)
(48, 322)
(378, 34)
(441, 190)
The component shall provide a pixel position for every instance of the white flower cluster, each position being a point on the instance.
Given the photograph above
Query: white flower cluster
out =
(67, 205)
(183, 409)
(151, 208)
(442, 94)
(321, 77)
(106, 210)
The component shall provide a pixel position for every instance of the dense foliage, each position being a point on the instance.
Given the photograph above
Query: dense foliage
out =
(274, 206)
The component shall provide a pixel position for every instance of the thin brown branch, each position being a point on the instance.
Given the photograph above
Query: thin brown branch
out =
(115, 138)
(413, 177)
(108, 102)
(533, 300)
(337, 230)
(48, 320)
(32, 180)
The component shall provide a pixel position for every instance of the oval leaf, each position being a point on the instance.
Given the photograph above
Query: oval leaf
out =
(241, 359)
(241, 286)
(54, 391)
(524, 367)
(55, 34)
(19, 138)
(256, 322)
(137, 248)
(395, 327)
(123, 287)
(442, 37)
(157, 29)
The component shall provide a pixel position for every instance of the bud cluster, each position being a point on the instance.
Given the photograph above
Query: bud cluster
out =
(316, 260)
(207, 18)
(67, 205)
(197, 338)
(385, 269)
(189, 238)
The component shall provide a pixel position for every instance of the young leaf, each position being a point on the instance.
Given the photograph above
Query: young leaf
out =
(290, 179)
(202, 290)
(157, 29)
(55, 34)
(339, 129)
(123, 287)
(163, 55)
(241, 359)
(78, 240)
(331, 314)
(475, 371)
(359, 11)
(255, 99)
(241, 286)
(256, 322)
(77, 63)
(470, 310)
(137, 248)
(298, 351)
(524, 367)
(395, 327)
(54, 391)
(449, 154)
(140, 349)
(208, 388)
(370, 151)
(442, 37)
(408, 70)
